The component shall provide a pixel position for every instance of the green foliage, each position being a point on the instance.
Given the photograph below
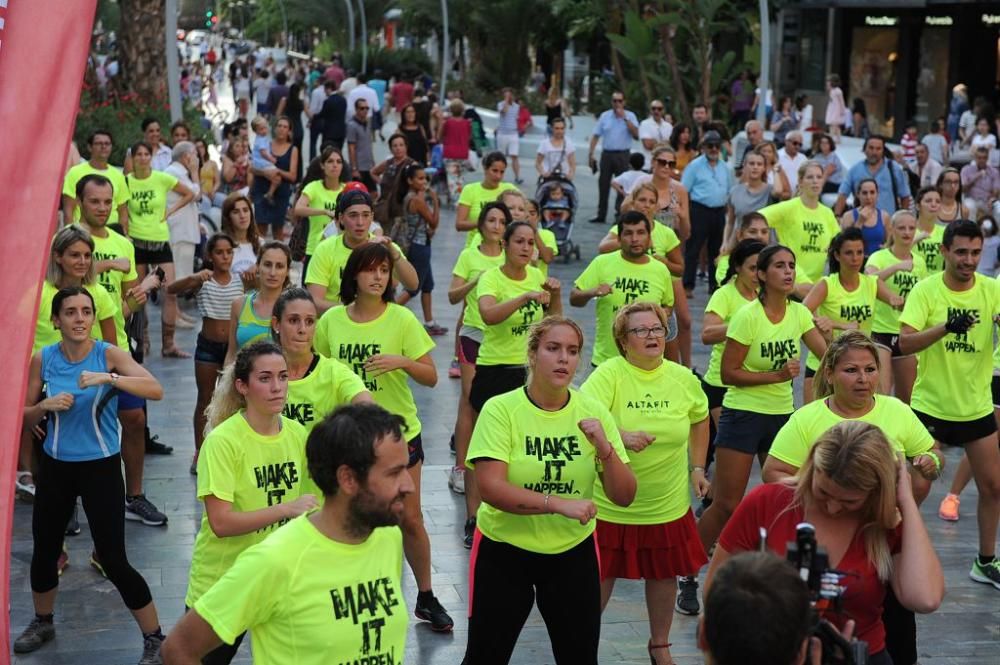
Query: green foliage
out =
(123, 117)
(392, 62)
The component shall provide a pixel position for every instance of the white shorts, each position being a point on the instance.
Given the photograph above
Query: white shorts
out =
(509, 144)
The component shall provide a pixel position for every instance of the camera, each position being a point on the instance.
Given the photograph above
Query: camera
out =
(826, 592)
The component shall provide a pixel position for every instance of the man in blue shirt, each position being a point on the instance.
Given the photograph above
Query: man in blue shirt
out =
(708, 181)
(893, 185)
(379, 85)
(616, 129)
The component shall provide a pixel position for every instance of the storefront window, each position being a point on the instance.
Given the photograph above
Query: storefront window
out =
(932, 80)
(812, 44)
(872, 78)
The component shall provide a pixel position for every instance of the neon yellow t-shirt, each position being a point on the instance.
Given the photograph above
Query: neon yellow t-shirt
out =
(506, 343)
(321, 198)
(395, 332)
(326, 266)
(629, 282)
(546, 452)
(901, 283)
(115, 246)
(721, 267)
(954, 374)
(806, 231)
(147, 206)
(548, 239)
(664, 403)
(897, 421)
(471, 264)
(47, 334)
(310, 600)
(724, 303)
(476, 196)
(314, 396)
(771, 345)
(929, 249)
(112, 173)
(252, 472)
(843, 306)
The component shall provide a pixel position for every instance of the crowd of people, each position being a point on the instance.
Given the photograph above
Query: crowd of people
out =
(307, 436)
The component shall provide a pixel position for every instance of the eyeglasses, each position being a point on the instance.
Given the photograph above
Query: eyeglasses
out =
(617, 101)
(795, 143)
(655, 108)
(665, 162)
(362, 108)
(644, 332)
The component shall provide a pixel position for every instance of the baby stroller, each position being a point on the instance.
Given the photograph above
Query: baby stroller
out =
(557, 199)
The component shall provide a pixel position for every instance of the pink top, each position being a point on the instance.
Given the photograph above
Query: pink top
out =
(836, 111)
(455, 135)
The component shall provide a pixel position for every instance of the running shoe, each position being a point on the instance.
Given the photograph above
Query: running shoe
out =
(687, 596)
(151, 650)
(34, 636)
(948, 510)
(470, 532)
(95, 563)
(73, 526)
(431, 610)
(63, 560)
(987, 573)
(451, 444)
(453, 371)
(24, 483)
(456, 480)
(518, 181)
(141, 509)
(154, 447)
(434, 330)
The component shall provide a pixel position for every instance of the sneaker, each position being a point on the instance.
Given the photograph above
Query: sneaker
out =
(34, 636)
(948, 510)
(73, 526)
(456, 480)
(154, 447)
(24, 483)
(95, 563)
(431, 610)
(151, 651)
(141, 509)
(451, 444)
(518, 181)
(687, 596)
(453, 370)
(434, 330)
(63, 560)
(470, 532)
(987, 573)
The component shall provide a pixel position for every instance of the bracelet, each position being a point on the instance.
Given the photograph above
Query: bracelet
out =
(937, 460)
(693, 467)
(545, 503)
(611, 451)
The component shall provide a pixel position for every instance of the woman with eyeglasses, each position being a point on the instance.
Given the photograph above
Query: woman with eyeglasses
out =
(655, 538)
(950, 185)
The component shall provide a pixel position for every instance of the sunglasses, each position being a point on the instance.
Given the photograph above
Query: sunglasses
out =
(666, 162)
(655, 108)
(617, 101)
(795, 143)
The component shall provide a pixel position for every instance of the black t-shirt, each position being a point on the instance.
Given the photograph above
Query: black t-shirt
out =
(333, 119)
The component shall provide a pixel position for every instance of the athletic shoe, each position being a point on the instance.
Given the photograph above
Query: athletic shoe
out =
(431, 610)
(141, 509)
(518, 181)
(434, 330)
(24, 483)
(34, 636)
(948, 510)
(687, 596)
(73, 526)
(470, 532)
(451, 444)
(154, 447)
(193, 469)
(151, 651)
(456, 480)
(95, 563)
(63, 560)
(987, 573)
(453, 371)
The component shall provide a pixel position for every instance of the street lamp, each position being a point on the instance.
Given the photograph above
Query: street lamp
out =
(350, 23)
(364, 37)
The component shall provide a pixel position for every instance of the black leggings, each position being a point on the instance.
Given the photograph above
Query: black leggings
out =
(99, 484)
(505, 582)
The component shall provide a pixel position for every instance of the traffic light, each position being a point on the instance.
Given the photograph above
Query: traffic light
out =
(210, 18)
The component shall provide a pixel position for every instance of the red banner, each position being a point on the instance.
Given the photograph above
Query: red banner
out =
(43, 51)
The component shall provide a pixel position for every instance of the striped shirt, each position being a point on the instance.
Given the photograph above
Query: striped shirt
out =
(215, 300)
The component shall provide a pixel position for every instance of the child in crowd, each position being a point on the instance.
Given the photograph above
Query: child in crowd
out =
(990, 257)
(261, 158)
(909, 143)
(624, 182)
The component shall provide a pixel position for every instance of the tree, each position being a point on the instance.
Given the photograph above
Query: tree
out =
(142, 49)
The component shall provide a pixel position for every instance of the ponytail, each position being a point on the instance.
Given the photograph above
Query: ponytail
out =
(226, 400)
(743, 251)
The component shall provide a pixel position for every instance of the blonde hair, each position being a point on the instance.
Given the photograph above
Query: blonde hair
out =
(226, 400)
(512, 193)
(857, 456)
(896, 216)
(642, 186)
(851, 340)
(620, 326)
(661, 148)
(65, 238)
(803, 168)
(538, 331)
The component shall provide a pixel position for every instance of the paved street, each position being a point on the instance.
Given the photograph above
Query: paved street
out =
(94, 626)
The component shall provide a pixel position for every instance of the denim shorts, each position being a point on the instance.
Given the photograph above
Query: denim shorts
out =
(207, 351)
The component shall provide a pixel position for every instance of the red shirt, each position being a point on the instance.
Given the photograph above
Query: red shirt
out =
(455, 135)
(335, 74)
(768, 506)
(402, 94)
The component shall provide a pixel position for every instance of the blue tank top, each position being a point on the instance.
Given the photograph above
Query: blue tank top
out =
(250, 327)
(873, 236)
(89, 429)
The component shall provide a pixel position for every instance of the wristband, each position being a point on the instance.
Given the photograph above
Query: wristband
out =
(605, 458)
(545, 503)
(692, 468)
(937, 460)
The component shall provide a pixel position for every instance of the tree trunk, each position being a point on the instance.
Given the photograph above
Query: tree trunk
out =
(667, 34)
(142, 50)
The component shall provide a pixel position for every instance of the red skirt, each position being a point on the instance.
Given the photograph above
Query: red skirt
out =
(650, 551)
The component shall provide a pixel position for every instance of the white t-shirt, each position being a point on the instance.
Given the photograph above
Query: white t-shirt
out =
(183, 224)
(261, 87)
(628, 179)
(554, 156)
(243, 259)
(790, 165)
(242, 88)
(660, 133)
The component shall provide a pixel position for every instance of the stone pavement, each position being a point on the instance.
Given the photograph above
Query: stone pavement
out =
(94, 626)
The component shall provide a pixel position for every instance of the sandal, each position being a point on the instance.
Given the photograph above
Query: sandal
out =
(175, 353)
(650, 647)
(24, 483)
